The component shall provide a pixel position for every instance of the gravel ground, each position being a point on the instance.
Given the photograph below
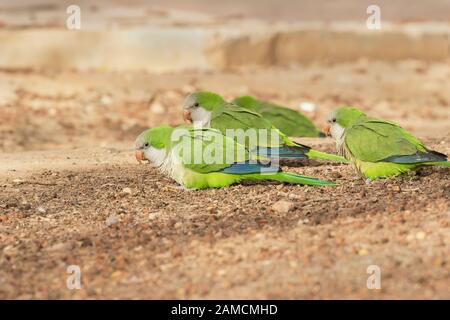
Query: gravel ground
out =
(72, 194)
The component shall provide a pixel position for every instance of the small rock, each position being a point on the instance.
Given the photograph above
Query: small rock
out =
(10, 251)
(25, 205)
(300, 197)
(41, 210)
(86, 242)
(18, 181)
(282, 206)
(111, 220)
(127, 191)
(178, 225)
(154, 215)
(335, 175)
(307, 106)
(420, 235)
(11, 203)
(363, 252)
(157, 108)
(106, 100)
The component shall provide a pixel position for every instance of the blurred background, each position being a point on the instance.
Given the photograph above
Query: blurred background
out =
(127, 65)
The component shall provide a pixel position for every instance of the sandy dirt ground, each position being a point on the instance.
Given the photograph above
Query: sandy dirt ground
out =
(72, 193)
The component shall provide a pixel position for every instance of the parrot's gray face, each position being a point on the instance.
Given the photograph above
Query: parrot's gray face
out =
(146, 152)
(155, 156)
(193, 112)
(335, 130)
(141, 146)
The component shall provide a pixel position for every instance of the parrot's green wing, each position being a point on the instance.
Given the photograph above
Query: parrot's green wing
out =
(231, 163)
(373, 140)
(207, 150)
(290, 122)
(233, 117)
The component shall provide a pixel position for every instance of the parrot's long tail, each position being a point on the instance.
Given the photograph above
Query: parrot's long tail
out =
(290, 178)
(298, 151)
(314, 154)
(439, 163)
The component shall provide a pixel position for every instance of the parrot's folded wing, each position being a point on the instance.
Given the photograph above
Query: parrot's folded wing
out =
(207, 150)
(234, 117)
(286, 116)
(247, 125)
(250, 167)
(377, 140)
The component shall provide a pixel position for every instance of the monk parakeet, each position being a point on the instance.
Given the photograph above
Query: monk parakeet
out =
(292, 123)
(378, 148)
(248, 127)
(204, 158)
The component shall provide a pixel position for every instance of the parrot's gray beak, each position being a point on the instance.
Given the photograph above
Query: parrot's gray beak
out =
(327, 130)
(187, 116)
(140, 156)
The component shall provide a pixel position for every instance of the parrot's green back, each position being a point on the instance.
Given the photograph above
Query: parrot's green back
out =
(380, 148)
(231, 116)
(271, 142)
(291, 122)
(288, 121)
(206, 150)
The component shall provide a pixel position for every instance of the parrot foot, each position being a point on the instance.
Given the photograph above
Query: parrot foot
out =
(368, 181)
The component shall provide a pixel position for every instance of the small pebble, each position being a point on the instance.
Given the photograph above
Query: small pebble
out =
(41, 210)
(420, 235)
(106, 100)
(282, 206)
(178, 225)
(307, 106)
(157, 108)
(127, 191)
(111, 220)
(363, 252)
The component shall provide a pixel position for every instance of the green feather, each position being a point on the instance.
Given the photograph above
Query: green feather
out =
(230, 118)
(158, 137)
(439, 163)
(199, 173)
(290, 178)
(288, 121)
(379, 148)
(374, 140)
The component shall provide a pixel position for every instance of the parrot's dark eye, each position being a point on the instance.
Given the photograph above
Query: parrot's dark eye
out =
(146, 145)
(196, 104)
(333, 120)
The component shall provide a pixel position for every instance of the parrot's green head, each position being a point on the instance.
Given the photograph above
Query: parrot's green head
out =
(340, 119)
(152, 143)
(198, 106)
(247, 102)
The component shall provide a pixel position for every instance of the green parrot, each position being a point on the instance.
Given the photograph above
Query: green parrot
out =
(378, 148)
(292, 123)
(248, 127)
(204, 158)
